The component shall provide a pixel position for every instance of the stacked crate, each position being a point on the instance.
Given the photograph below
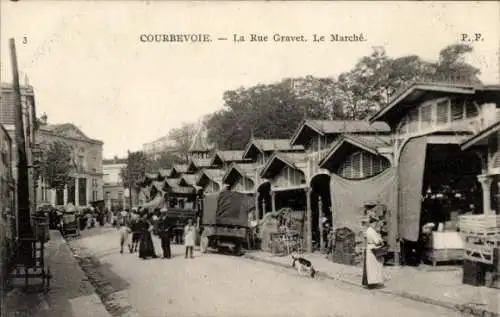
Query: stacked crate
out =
(481, 236)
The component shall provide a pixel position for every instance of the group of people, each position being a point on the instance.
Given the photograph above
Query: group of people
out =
(139, 225)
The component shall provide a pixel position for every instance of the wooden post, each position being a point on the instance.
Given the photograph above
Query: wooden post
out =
(129, 184)
(257, 213)
(320, 217)
(273, 201)
(23, 196)
(309, 247)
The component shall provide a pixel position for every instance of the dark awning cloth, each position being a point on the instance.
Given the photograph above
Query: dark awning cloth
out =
(411, 174)
(210, 209)
(350, 196)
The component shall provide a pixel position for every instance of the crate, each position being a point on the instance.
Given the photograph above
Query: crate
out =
(480, 225)
(479, 253)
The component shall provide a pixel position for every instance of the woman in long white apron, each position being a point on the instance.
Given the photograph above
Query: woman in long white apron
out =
(373, 266)
(189, 237)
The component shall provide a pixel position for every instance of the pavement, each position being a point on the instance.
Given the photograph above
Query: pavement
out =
(440, 285)
(221, 285)
(70, 295)
(91, 278)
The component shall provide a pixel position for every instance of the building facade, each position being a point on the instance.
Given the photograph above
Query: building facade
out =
(86, 183)
(161, 145)
(114, 193)
(8, 120)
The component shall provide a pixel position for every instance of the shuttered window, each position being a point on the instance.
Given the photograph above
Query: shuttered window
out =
(470, 109)
(426, 116)
(442, 112)
(361, 165)
(457, 110)
(413, 120)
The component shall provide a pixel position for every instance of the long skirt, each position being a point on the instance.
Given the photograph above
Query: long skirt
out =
(146, 247)
(372, 269)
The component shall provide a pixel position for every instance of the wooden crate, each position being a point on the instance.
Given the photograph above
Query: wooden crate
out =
(479, 253)
(480, 225)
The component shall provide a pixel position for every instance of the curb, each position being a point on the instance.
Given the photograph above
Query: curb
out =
(114, 301)
(471, 309)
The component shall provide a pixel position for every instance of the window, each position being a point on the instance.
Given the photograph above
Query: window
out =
(470, 109)
(457, 110)
(425, 116)
(413, 120)
(442, 112)
(361, 165)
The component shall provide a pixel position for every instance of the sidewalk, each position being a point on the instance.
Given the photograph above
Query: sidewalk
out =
(70, 294)
(440, 285)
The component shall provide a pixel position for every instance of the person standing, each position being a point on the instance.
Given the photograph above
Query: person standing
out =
(124, 230)
(146, 246)
(136, 231)
(189, 236)
(165, 234)
(373, 264)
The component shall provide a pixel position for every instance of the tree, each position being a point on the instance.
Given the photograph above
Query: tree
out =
(377, 77)
(133, 173)
(183, 138)
(55, 164)
(264, 111)
(165, 159)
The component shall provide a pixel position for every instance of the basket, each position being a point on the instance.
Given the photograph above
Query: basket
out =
(479, 253)
(480, 225)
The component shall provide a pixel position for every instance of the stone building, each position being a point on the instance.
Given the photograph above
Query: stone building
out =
(87, 173)
(114, 192)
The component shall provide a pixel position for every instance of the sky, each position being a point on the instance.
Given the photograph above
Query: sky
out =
(88, 66)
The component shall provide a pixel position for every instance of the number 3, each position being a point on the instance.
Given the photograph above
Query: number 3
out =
(25, 40)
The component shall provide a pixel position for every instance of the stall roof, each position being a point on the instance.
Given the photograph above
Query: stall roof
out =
(197, 163)
(229, 156)
(172, 182)
(482, 137)
(180, 168)
(347, 142)
(165, 172)
(243, 169)
(188, 180)
(290, 159)
(270, 145)
(329, 127)
(214, 175)
(416, 93)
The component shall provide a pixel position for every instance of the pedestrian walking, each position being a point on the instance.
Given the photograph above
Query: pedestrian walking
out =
(146, 246)
(189, 236)
(373, 264)
(165, 234)
(135, 228)
(123, 227)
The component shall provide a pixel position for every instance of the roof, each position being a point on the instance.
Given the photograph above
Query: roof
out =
(159, 185)
(66, 130)
(419, 92)
(165, 172)
(328, 127)
(172, 182)
(188, 180)
(229, 156)
(180, 168)
(270, 145)
(346, 143)
(114, 161)
(215, 175)
(243, 169)
(199, 143)
(290, 159)
(482, 137)
(197, 163)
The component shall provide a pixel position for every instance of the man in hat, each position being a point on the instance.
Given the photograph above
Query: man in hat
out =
(165, 234)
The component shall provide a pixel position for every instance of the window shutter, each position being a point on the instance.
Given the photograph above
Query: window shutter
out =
(442, 112)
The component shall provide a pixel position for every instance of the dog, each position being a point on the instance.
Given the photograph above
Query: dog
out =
(303, 266)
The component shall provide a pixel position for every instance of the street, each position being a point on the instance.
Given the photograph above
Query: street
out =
(220, 285)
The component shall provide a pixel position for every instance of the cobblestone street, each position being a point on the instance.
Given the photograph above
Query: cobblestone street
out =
(218, 285)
